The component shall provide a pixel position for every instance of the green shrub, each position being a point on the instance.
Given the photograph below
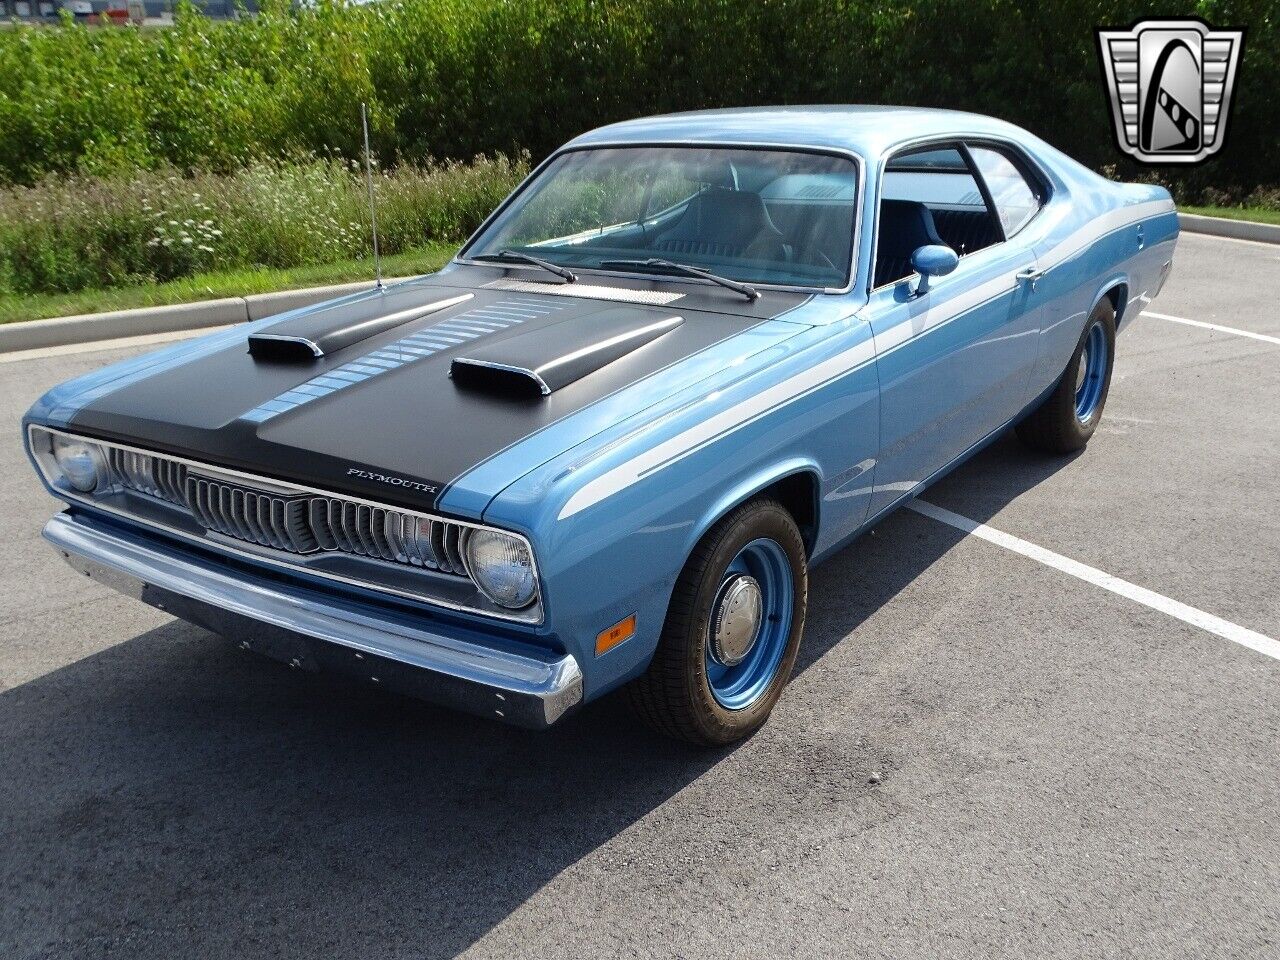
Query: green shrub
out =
(455, 78)
(75, 232)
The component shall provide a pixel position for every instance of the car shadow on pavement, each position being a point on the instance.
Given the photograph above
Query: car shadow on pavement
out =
(172, 796)
(874, 569)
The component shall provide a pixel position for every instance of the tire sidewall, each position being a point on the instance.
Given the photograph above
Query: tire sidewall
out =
(1104, 314)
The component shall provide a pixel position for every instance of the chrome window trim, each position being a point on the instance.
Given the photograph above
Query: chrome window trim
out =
(857, 158)
(261, 556)
(957, 140)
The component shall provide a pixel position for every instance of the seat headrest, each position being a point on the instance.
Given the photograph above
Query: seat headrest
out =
(735, 218)
(905, 227)
(720, 173)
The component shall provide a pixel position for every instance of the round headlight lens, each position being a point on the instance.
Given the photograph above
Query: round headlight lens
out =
(502, 568)
(80, 462)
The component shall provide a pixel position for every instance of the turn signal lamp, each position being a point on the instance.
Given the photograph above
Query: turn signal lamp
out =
(608, 639)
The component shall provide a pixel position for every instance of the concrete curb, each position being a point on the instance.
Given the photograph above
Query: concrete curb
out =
(1236, 229)
(117, 324)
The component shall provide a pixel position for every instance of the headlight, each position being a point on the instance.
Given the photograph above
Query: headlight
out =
(502, 568)
(81, 463)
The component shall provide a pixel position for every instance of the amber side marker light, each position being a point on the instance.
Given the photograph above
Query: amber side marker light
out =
(608, 639)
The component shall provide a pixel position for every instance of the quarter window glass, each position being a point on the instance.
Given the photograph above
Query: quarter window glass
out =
(1015, 201)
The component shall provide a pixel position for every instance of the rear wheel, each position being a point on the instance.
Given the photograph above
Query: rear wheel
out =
(1067, 418)
(732, 630)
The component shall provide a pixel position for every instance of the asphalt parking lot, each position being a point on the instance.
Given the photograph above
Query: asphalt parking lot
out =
(981, 755)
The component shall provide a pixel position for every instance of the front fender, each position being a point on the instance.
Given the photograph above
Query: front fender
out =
(614, 524)
(751, 485)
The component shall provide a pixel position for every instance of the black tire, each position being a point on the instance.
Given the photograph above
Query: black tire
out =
(1054, 426)
(674, 695)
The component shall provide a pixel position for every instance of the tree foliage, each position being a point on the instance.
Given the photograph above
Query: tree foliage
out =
(455, 78)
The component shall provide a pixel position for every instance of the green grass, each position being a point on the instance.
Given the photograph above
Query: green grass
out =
(211, 286)
(1256, 214)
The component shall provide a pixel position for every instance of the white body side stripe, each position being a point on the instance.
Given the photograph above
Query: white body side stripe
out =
(1099, 227)
(731, 418)
(681, 444)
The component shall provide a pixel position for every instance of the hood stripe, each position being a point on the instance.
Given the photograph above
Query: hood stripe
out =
(464, 327)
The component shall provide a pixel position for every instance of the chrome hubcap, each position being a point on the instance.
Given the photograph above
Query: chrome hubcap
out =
(1081, 371)
(736, 619)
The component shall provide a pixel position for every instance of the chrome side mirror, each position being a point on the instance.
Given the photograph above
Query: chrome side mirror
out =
(933, 260)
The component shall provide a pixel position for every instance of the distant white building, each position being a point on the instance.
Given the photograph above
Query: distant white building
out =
(115, 9)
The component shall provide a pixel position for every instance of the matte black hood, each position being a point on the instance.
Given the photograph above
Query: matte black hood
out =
(384, 404)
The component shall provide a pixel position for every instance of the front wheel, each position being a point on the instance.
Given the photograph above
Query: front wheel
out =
(1067, 418)
(732, 631)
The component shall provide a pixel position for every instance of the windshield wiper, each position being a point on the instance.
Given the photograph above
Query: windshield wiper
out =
(670, 266)
(564, 273)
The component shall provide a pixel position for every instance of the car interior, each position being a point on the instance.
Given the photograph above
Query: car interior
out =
(800, 223)
(762, 216)
(934, 196)
(759, 216)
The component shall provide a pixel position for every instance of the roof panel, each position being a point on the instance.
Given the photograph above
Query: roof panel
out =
(865, 130)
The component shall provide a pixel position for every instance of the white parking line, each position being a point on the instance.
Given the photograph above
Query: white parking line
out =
(1148, 598)
(1214, 326)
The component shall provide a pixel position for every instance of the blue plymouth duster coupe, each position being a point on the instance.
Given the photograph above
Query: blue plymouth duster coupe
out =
(689, 358)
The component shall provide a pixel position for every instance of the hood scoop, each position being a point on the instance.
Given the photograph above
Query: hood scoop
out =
(539, 362)
(309, 336)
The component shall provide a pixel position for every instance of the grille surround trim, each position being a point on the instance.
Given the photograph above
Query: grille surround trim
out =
(532, 615)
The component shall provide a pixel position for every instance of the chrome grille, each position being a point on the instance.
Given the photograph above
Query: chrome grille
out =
(387, 534)
(154, 476)
(337, 537)
(252, 515)
(308, 524)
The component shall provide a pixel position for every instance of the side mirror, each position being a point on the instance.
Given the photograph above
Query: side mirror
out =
(933, 260)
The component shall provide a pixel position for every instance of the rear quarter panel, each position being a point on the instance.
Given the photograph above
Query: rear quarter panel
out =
(1102, 236)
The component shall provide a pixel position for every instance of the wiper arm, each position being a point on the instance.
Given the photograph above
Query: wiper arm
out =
(564, 273)
(670, 266)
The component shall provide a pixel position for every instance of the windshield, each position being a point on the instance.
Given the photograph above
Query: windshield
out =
(760, 216)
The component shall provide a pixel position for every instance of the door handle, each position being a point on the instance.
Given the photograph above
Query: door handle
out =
(1029, 276)
(1142, 240)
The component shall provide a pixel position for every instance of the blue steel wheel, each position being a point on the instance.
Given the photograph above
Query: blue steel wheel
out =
(1091, 373)
(733, 627)
(750, 624)
(1069, 414)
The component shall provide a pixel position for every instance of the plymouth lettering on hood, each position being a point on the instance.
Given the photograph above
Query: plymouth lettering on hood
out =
(393, 481)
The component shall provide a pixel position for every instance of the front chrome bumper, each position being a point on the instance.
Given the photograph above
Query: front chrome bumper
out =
(303, 628)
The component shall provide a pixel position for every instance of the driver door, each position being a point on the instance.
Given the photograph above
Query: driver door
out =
(954, 362)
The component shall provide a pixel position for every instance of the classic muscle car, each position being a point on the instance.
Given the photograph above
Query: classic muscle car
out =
(690, 357)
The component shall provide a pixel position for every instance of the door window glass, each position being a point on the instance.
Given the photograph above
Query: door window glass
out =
(927, 197)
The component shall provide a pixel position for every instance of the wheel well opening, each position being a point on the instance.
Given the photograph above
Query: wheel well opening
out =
(1119, 297)
(799, 494)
